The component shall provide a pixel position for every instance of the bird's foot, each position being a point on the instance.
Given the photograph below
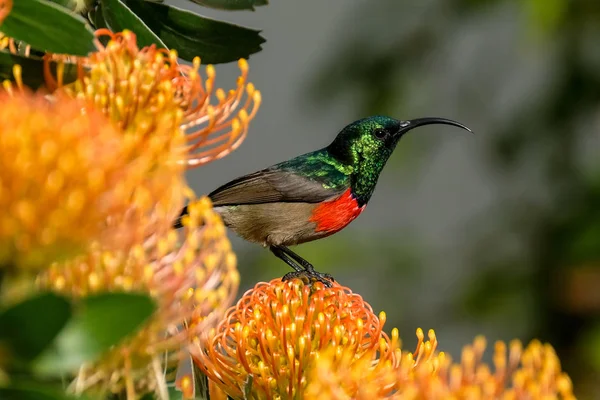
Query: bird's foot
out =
(309, 277)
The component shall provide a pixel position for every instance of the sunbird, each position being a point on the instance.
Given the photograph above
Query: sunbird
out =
(314, 195)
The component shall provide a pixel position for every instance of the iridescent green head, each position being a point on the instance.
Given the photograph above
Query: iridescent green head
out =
(365, 145)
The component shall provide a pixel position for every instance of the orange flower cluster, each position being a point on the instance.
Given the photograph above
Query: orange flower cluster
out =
(156, 104)
(100, 162)
(62, 174)
(190, 273)
(135, 86)
(424, 374)
(290, 340)
(275, 331)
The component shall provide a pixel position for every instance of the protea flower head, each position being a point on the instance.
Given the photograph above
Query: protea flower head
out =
(135, 86)
(277, 329)
(190, 273)
(161, 113)
(63, 172)
(516, 374)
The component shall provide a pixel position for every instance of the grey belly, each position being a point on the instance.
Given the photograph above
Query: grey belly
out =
(284, 224)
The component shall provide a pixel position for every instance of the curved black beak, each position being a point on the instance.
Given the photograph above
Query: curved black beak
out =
(406, 126)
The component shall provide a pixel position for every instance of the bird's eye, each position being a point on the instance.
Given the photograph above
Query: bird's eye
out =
(380, 133)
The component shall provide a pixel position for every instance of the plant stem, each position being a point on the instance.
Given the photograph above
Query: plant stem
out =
(3, 269)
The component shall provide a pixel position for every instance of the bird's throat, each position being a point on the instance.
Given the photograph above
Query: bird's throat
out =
(363, 182)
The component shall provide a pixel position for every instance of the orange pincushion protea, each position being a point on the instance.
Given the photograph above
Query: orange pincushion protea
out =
(163, 113)
(193, 279)
(275, 331)
(533, 373)
(521, 375)
(133, 85)
(63, 172)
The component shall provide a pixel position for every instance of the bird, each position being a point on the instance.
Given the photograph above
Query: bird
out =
(314, 195)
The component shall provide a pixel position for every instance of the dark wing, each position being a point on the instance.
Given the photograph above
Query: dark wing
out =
(310, 178)
(278, 185)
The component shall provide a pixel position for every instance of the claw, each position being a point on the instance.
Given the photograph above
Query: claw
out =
(310, 277)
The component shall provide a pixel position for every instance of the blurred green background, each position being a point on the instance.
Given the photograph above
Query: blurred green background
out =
(495, 234)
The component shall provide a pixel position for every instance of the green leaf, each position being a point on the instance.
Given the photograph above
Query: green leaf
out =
(231, 4)
(117, 17)
(194, 35)
(96, 18)
(31, 326)
(33, 69)
(26, 390)
(49, 27)
(103, 321)
(175, 394)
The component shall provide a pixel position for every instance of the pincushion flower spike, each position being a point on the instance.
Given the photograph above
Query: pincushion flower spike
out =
(163, 111)
(122, 80)
(190, 273)
(63, 172)
(276, 330)
(516, 374)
